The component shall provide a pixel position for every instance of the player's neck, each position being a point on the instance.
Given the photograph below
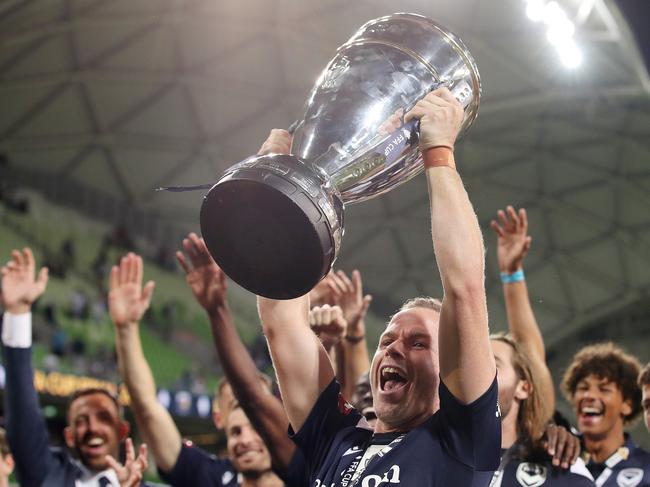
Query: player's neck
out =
(509, 426)
(403, 426)
(600, 449)
(267, 479)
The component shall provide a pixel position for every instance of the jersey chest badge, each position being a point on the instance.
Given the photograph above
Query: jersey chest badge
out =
(629, 477)
(531, 474)
(227, 477)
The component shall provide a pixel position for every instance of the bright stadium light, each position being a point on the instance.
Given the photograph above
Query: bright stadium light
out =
(570, 54)
(535, 10)
(560, 32)
(553, 13)
(559, 29)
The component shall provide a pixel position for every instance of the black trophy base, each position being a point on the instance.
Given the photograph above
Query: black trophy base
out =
(270, 234)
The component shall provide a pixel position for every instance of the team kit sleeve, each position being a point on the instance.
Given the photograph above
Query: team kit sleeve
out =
(328, 417)
(196, 467)
(296, 473)
(26, 430)
(471, 433)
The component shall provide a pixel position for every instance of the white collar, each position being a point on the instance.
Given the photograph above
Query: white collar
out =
(90, 478)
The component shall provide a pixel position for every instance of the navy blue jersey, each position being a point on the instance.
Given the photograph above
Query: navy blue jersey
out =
(627, 467)
(457, 446)
(296, 474)
(196, 467)
(519, 473)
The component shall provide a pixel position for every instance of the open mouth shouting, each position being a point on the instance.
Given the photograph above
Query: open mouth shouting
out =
(392, 379)
(590, 413)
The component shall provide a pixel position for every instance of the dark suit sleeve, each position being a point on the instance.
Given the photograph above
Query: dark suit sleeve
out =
(26, 429)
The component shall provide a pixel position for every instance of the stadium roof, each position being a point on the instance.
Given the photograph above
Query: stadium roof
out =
(125, 96)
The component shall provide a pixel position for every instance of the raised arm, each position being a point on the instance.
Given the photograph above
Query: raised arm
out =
(26, 429)
(127, 301)
(302, 366)
(466, 361)
(301, 363)
(513, 243)
(348, 294)
(328, 324)
(265, 412)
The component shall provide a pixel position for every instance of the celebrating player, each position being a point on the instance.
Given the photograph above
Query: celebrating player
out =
(424, 358)
(601, 383)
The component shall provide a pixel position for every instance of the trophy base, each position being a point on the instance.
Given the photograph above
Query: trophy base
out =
(268, 224)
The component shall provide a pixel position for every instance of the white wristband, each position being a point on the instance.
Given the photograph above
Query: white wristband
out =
(17, 330)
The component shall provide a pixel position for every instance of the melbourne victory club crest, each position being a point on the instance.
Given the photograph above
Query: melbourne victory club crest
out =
(629, 477)
(531, 474)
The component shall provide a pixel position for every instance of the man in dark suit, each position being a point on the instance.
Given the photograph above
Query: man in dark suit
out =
(95, 425)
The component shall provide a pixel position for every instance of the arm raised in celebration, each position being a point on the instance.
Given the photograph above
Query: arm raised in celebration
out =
(466, 361)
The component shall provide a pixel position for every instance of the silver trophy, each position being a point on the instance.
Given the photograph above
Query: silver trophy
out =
(274, 223)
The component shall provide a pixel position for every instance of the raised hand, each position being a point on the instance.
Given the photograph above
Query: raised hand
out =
(513, 241)
(205, 278)
(348, 294)
(20, 285)
(328, 323)
(130, 474)
(322, 292)
(278, 142)
(127, 299)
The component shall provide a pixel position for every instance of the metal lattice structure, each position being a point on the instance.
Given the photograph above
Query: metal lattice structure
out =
(125, 96)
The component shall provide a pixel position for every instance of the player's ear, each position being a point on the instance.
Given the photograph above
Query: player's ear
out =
(217, 418)
(626, 408)
(68, 436)
(9, 462)
(523, 390)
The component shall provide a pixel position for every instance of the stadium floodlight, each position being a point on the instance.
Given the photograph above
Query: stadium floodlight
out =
(560, 29)
(570, 54)
(535, 10)
(553, 13)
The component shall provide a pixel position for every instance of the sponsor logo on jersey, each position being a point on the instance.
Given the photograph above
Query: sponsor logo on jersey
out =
(531, 474)
(629, 477)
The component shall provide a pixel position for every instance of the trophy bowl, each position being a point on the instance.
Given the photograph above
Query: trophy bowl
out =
(274, 223)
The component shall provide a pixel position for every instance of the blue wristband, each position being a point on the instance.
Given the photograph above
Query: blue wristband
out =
(517, 276)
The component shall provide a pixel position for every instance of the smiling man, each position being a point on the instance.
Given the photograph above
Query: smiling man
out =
(601, 384)
(424, 357)
(247, 451)
(95, 428)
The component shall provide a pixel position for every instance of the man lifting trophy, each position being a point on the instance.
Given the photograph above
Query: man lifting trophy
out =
(274, 223)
